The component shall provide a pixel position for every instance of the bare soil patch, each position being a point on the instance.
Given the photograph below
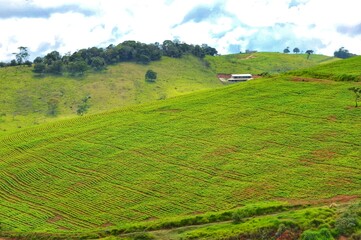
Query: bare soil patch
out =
(323, 154)
(55, 219)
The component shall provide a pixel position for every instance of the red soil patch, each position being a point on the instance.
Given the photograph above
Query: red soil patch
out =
(224, 75)
(55, 219)
(107, 224)
(332, 118)
(289, 235)
(323, 154)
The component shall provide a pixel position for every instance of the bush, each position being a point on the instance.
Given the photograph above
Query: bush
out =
(237, 216)
(323, 234)
(143, 236)
(150, 76)
(347, 223)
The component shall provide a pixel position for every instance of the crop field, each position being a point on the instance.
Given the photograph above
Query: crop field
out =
(271, 139)
(257, 63)
(347, 70)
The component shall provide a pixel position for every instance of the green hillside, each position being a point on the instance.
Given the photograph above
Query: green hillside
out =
(260, 62)
(262, 141)
(28, 100)
(345, 70)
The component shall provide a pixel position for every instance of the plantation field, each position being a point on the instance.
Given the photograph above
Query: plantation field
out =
(271, 139)
(271, 62)
(27, 100)
(346, 70)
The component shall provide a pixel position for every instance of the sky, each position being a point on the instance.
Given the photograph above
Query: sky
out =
(230, 26)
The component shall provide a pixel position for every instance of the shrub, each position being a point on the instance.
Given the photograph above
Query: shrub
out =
(237, 216)
(150, 76)
(323, 234)
(143, 236)
(347, 223)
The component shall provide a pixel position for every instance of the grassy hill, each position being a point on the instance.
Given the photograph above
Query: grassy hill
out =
(265, 140)
(260, 62)
(28, 100)
(345, 70)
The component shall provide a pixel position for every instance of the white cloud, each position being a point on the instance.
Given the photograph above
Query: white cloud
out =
(229, 25)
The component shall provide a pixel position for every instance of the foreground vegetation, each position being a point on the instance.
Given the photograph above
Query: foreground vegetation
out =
(265, 140)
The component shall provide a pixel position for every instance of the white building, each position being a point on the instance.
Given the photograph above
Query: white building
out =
(240, 77)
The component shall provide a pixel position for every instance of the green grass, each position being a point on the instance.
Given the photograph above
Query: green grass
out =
(257, 63)
(345, 70)
(265, 140)
(24, 98)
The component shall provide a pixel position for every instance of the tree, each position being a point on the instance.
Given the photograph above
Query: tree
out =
(77, 68)
(53, 107)
(52, 57)
(150, 76)
(296, 50)
(38, 60)
(357, 92)
(286, 50)
(343, 53)
(309, 52)
(39, 68)
(55, 67)
(84, 106)
(98, 63)
(22, 56)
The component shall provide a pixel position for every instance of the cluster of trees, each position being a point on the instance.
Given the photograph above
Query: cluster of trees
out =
(343, 53)
(98, 58)
(296, 50)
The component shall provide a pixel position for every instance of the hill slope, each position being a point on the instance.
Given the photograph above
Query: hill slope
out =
(265, 140)
(345, 70)
(256, 63)
(27, 100)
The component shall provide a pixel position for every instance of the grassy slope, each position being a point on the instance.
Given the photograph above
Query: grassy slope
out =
(345, 70)
(24, 98)
(267, 139)
(257, 63)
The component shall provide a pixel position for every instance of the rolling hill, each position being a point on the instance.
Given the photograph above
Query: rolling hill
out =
(346, 70)
(261, 62)
(27, 100)
(276, 141)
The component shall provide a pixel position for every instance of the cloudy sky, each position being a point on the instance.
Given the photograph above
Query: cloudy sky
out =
(230, 26)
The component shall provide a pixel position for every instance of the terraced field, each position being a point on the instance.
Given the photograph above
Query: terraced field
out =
(276, 139)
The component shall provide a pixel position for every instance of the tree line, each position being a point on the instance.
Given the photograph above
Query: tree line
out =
(98, 58)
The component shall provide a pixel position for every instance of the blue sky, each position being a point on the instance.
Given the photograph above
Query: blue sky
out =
(230, 26)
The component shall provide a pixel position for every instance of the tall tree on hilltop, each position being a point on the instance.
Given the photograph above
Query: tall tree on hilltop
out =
(309, 52)
(22, 56)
